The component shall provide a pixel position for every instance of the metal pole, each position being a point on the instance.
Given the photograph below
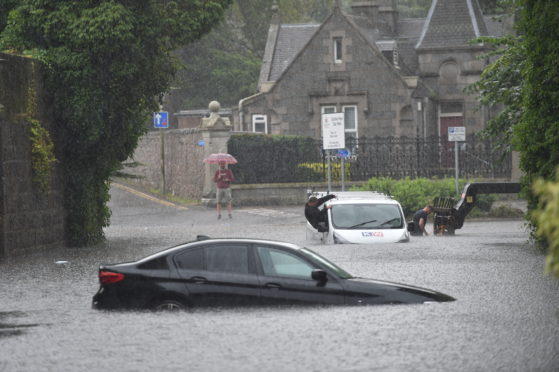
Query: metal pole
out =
(329, 173)
(456, 166)
(343, 173)
(162, 142)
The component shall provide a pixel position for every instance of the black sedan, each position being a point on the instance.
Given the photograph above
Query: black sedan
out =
(237, 272)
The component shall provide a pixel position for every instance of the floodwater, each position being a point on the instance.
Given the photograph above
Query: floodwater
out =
(505, 318)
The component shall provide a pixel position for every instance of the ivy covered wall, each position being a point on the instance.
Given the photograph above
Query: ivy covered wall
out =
(31, 194)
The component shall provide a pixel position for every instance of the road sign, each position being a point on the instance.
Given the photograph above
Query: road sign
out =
(344, 153)
(456, 133)
(333, 132)
(161, 119)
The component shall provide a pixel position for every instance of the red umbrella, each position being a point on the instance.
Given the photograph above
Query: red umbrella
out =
(220, 158)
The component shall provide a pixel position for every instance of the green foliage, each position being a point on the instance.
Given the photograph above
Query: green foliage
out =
(501, 83)
(106, 63)
(225, 64)
(214, 70)
(414, 194)
(547, 218)
(42, 155)
(319, 169)
(271, 158)
(536, 136)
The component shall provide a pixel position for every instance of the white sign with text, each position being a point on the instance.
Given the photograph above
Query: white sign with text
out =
(333, 131)
(456, 133)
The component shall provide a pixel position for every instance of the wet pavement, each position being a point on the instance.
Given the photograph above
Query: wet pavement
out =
(505, 318)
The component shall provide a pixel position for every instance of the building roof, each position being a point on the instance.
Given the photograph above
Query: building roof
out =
(452, 23)
(291, 39)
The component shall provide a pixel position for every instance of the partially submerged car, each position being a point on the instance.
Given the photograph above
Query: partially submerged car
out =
(362, 217)
(238, 272)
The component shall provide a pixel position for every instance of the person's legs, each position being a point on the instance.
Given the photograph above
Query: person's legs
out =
(218, 203)
(227, 198)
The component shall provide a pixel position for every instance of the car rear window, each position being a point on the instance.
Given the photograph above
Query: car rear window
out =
(155, 264)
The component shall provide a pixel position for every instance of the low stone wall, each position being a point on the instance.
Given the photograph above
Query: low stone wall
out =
(30, 220)
(184, 169)
(278, 193)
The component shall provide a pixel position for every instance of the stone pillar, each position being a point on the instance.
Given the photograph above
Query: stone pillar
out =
(516, 172)
(215, 133)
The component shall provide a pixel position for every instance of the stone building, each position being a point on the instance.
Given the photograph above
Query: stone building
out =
(389, 76)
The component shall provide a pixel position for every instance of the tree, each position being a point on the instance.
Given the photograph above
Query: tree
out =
(106, 63)
(536, 136)
(225, 64)
(501, 84)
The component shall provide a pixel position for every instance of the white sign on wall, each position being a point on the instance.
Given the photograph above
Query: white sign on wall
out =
(333, 131)
(456, 133)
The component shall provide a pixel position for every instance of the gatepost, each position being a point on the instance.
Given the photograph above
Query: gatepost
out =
(216, 132)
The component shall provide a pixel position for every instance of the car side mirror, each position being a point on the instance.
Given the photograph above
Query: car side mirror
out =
(319, 275)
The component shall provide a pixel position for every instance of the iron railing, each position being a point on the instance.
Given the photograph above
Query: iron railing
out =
(394, 157)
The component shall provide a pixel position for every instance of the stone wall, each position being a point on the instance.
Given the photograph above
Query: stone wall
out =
(183, 166)
(29, 219)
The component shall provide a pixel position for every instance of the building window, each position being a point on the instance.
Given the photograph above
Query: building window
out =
(338, 50)
(450, 108)
(260, 123)
(350, 121)
(328, 110)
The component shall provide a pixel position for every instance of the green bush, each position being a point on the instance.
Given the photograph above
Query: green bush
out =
(273, 158)
(547, 218)
(414, 194)
(316, 171)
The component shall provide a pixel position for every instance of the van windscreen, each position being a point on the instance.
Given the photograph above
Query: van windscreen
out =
(367, 216)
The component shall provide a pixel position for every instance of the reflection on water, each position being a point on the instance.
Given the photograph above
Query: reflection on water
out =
(505, 318)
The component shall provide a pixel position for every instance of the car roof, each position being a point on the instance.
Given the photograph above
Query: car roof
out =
(204, 240)
(357, 197)
(363, 201)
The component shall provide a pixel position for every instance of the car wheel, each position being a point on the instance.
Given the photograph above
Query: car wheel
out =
(170, 305)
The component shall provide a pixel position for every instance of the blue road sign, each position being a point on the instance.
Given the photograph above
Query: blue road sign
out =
(161, 119)
(344, 153)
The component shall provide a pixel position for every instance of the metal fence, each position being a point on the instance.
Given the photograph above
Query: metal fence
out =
(400, 157)
(394, 157)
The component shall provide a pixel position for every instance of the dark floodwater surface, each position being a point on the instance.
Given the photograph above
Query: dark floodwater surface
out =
(505, 318)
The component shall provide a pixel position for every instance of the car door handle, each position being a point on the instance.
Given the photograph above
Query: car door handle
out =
(272, 285)
(199, 279)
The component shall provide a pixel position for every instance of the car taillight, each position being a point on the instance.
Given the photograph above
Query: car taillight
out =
(107, 277)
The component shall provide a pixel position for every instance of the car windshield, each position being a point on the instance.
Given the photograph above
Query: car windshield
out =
(367, 216)
(330, 265)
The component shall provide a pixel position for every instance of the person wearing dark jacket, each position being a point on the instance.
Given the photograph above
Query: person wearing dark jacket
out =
(420, 220)
(316, 217)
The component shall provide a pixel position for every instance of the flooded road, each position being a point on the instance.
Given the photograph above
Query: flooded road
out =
(505, 318)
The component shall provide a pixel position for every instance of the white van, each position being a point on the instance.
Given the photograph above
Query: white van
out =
(363, 217)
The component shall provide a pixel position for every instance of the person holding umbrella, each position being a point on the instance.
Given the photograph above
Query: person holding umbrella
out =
(222, 178)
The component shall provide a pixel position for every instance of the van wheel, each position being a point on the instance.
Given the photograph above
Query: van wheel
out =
(170, 305)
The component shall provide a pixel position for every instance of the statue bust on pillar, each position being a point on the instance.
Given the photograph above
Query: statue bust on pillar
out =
(215, 121)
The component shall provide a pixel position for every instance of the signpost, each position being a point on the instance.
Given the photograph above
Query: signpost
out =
(161, 121)
(343, 154)
(333, 136)
(456, 134)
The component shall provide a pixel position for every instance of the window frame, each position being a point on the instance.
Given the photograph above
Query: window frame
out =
(338, 49)
(311, 265)
(354, 131)
(259, 119)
